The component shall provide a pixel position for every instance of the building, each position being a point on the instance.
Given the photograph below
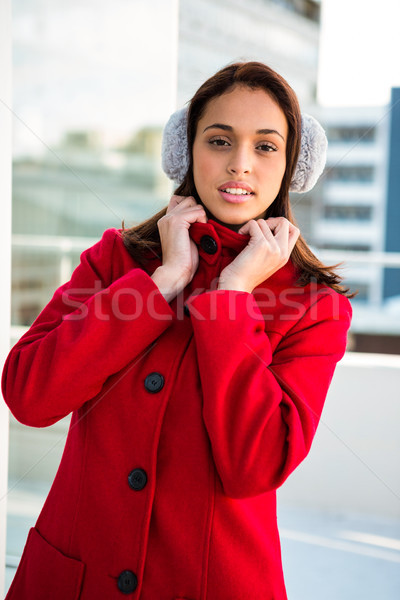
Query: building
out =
(350, 215)
(391, 284)
(358, 216)
(282, 33)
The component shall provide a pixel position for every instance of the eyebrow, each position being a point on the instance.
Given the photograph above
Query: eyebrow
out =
(229, 128)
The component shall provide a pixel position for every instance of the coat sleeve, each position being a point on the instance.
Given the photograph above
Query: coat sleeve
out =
(261, 410)
(91, 329)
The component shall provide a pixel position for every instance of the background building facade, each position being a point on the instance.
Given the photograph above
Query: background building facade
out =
(356, 216)
(391, 285)
(283, 34)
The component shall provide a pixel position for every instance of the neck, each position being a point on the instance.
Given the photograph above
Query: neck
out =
(231, 226)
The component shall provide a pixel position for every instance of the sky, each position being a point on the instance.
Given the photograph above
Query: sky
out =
(359, 52)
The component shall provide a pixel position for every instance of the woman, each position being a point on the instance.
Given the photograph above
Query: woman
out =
(195, 352)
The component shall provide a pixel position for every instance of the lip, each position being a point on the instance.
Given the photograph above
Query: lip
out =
(234, 198)
(236, 184)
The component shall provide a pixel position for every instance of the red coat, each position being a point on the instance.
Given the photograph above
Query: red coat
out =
(184, 424)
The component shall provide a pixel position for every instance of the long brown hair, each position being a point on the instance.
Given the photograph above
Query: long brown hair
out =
(255, 75)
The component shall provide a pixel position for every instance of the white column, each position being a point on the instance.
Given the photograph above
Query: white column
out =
(5, 252)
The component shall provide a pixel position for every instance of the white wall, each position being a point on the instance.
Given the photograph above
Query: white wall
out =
(354, 463)
(5, 250)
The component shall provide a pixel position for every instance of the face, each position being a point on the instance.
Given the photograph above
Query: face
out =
(239, 155)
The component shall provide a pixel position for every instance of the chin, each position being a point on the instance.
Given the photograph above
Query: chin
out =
(233, 222)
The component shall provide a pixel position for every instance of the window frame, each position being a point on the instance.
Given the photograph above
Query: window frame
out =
(5, 254)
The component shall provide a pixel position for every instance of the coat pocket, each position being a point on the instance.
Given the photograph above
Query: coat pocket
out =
(45, 573)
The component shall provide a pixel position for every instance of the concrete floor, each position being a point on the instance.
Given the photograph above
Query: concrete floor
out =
(325, 556)
(339, 557)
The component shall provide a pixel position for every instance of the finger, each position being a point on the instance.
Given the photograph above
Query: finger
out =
(250, 228)
(188, 214)
(266, 229)
(195, 214)
(201, 216)
(294, 234)
(176, 201)
(180, 201)
(276, 223)
(285, 233)
(280, 230)
(258, 235)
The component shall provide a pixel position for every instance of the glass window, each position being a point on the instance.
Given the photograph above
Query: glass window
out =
(348, 213)
(344, 246)
(351, 134)
(87, 139)
(351, 173)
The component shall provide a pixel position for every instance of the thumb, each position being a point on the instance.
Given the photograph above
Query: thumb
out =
(250, 228)
(244, 228)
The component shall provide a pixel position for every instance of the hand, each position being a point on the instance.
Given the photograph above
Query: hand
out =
(269, 248)
(180, 257)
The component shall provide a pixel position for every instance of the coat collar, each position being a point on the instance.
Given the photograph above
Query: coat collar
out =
(224, 237)
(229, 244)
(232, 243)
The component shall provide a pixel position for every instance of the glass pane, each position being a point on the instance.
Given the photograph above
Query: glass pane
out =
(87, 137)
(94, 84)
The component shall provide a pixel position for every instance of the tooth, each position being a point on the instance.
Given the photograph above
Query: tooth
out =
(237, 191)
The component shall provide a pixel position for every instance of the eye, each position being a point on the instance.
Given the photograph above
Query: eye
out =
(218, 142)
(267, 147)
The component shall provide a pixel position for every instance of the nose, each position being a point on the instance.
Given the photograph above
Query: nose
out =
(239, 161)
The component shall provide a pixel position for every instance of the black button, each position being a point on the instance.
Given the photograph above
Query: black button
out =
(137, 479)
(186, 310)
(208, 244)
(154, 382)
(127, 582)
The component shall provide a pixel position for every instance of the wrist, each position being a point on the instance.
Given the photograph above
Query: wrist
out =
(166, 283)
(233, 284)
